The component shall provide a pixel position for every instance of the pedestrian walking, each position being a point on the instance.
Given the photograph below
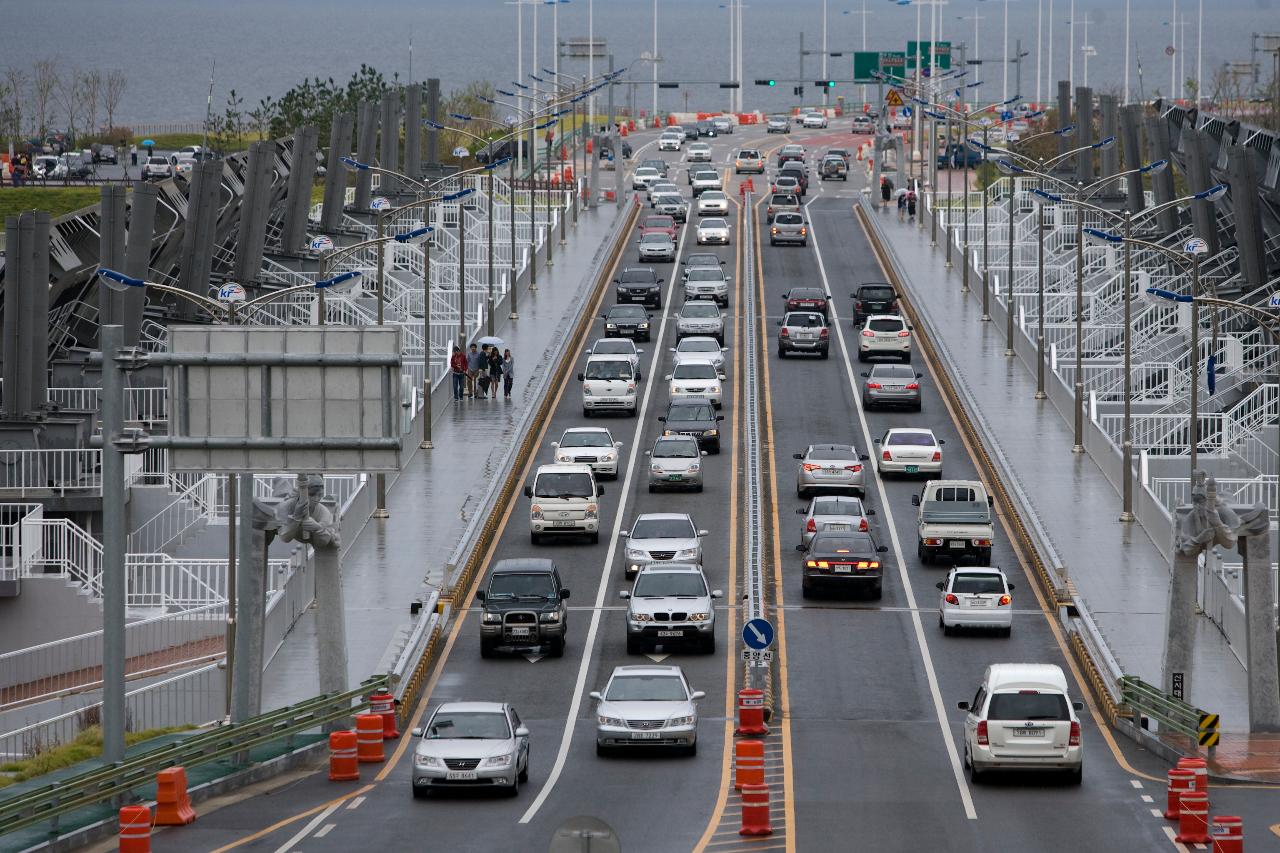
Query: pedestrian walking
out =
(473, 370)
(458, 370)
(911, 206)
(495, 371)
(133, 154)
(886, 191)
(482, 371)
(902, 205)
(508, 372)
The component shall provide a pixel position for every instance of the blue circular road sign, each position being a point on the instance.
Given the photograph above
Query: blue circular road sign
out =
(758, 634)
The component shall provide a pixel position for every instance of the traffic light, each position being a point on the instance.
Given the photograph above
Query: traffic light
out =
(766, 82)
(729, 85)
(825, 84)
(798, 90)
(668, 85)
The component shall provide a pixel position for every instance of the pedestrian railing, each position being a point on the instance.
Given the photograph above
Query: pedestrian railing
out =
(1174, 492)
(106, 783)
(1171, 713)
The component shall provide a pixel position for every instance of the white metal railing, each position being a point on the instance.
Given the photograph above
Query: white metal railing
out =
(1232, 577)
(190, 507)
(1174, 492)
(19, 537)
(49, 473)
(146, 403)
(1163, 434)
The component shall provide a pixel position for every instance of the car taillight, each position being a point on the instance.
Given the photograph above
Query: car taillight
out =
(824, 334)
(913, 386)
(1006, 600)
(982, 733)
(951, 598)
(893, 308)
(887, 456)
(862, 525)
(809, 466)
(933, 543)
(854, 468)
(874, 386)
(867, 333)
(803, 232)
(858, 305)
(812, 526)
(1074, 740)
(904, 334)
(937, 456)
(784, 333)
(982, 543)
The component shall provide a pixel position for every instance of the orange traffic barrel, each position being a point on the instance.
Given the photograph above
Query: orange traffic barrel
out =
(755, 810)
(1180, 782)
(751, 712)
(343, 764)
(1228, 834)
(135, 829)
(748, 768)
(1193, 818)
(384, 705)
(173, 805)
(369, 739)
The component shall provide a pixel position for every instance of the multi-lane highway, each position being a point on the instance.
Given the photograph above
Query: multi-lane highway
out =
(866, 690)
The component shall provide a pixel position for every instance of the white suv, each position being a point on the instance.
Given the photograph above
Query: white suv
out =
(564, 499)
(885, 334)
(1021, 719)
(609, 384)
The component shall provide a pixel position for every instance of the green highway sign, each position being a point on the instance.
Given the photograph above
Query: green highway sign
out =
(922, 49)
(866, 63)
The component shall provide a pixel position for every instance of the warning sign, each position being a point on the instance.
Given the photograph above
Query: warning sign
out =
(893, 99)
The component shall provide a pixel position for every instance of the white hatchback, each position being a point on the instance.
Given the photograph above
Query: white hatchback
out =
(975, 597)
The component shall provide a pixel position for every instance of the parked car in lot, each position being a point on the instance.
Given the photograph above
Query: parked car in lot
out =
(695, 417)
(523, 608)
(700, 317)
(106, 154)
(471, 744)
(592, 446)
(675, 462)
(873, 298)
(638, 285)
(834, 513)
(978, 597)
(827, 468)
(157, 168)
(1022, 719)
(888, 385)
(803, 331)
(844, 561)
(789, 228)
(885, 334)
(670, 605)
(647, 706)
(909, 450)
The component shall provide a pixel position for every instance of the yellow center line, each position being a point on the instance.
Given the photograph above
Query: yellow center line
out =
(263, 833)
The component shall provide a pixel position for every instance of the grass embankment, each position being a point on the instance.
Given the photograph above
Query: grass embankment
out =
(87, 745)
(56, 200)
(174, 141)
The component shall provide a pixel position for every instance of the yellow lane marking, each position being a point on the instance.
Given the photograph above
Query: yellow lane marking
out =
(263, 833)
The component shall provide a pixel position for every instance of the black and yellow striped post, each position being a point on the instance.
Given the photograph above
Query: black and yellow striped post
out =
(1209, 735)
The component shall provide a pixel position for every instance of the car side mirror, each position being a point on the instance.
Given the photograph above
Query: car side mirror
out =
(801, 548)
(719, 417)
(941, 441)
(703, 452)
(639, 376)
(724, 349)
(617, 281)
(1077, 706)
(617, 444)
(941, 584)
(919, 376)
(599, 491)
(564, 595)
(911, 328)
(595, 694)
(702, 533)
(417, 731)
(696, 695)
(480, 595)
(667, 378)
(779, 322)
(623, 534)
(915, 500)
(662, 419)
(555, 444)
(669, 349)
(880, 549)
(802, 511)
(1009, 586)
(528, 491)
(722, 377)
(715, 593)
(624, 594)
(648, 453)
(521, 731)
(991, 501)
(963, 706)
(797, 455)
(876, 440)
(864, 457)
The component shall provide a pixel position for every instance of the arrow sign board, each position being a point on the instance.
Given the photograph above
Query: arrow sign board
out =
(758, 634)
(231, 292)
(906, 111)
(321, 244)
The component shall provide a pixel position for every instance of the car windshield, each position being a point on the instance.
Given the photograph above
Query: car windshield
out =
(892, 371)
(663, 528)
(713, 195)
(675, 450)
(638, 275)
(689, 413)
(608, 370)
(693, 370)
(627, 312)
(656, 237)
(807, 321)
(831, 451)
(594, 438)
(910, 439)
(646, 688)
(1028, 706)
(842, 545)
(706, 274)
(885, 325)
(468, 725)
(706, 176)
(875, 293)
(692, 345)
(646, 172)
(837, 506)
(805, 293)
(654, 164)
(713, 223)
(669, 585)
(702, 259)
(564, 484)
(982, 584)
(699, 310)
(511, 585)
(613, 347)
(667, 198)
(788, 219)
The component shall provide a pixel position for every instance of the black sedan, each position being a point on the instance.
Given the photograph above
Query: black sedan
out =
(626, 321)
(842, 560)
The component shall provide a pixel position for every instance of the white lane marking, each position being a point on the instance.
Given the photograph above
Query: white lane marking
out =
(948, 738)
(533, 658)
(1147, 798)
(1157, 813)
(325, 830)
(1137, 783)
(657, 658)
(566, 738)
(306, 830)
(356, 803)
(1168, 831)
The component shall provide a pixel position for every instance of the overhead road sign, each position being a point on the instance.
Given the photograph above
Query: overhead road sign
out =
(868, 64)
(922, 51)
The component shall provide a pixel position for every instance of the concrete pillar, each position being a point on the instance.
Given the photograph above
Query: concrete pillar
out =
(1260, 621)
(1131, 147)
(331, 626)
(137, 255)
(593, 187)
(302, 172)
(366, 141)
(1064, 115)
(1242, 171)
(1162, 183)
(26, 315)
(1084, 134)
(413, 130)
(335, 178)
(1110, 157)
(1180, 633)
(198, 232)
(252, 236)
(1198, 152)
(251, 601)
(432, 156)
(111, 233)
(389, 155)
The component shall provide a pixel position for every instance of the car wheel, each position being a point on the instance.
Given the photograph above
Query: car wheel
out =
(804, 243)
(586, 413)
(652, 488)
(906, 358)
(976, 776)
(877, 592)
(773, 242)
(692, 749)
(524, 774)
(535, 538)
(806, 591)
(782, 353)
(513, 790)
(1075, 777)
(698, 488)
(595, 538)
(421, 792)
(602, 751)
(557, 647)
(862, 356)
(947, 630)
(1005, 632)
(635, 646)
(985, 556)
(825, 354)
(486, 649)
(922, 553)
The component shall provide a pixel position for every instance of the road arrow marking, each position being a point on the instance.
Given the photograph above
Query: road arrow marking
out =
(533, 658)
(657, 658)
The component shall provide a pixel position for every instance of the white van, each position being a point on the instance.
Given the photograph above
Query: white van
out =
(609, 385)
(1022, 719)
(564, 500)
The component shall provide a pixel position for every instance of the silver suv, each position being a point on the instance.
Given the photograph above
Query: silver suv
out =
(670, 605)
(803, 331)
(700, 317)
(707, 283)
(661, 537)
(788, 227)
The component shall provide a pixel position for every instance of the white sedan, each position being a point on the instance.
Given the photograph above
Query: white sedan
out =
(713, 230)
(713, 202)
(592, 446)
(644, 176)
(910, 451)
(975, 597)
(698, 152)
(696, 378)
(699, 348)
(813, 120)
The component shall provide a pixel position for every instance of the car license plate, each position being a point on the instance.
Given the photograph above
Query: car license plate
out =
(671, 633)
(1028, 732)
(957, 544)
(913, 469)
(520, 632)
(979, 602)
(842, 570)
(831, 471)
(646, 735)
(675, 476)
(459, 775)
(835, 527)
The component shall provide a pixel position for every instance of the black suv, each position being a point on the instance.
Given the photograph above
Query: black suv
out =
(523, 608)
(639, 285)
(873, 298)
(842, 560)
(694, 416)
(626, 321)
(691, 132)
(706, 128)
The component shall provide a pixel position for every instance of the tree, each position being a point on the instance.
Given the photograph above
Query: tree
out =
(233, 120)
(70, 96)
(261, 117)
(92, 83)
(112, 93)
(16, 83)
(44, 83)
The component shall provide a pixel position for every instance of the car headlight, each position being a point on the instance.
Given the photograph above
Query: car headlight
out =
(633, 554)
(686, 553)
(552, 616)
(586, 390)
(699, 617)
(492, 618)
(426, 761)
(644, 325)
(535, 512)
(655, 469)
(610, 721)
(713, 432)
(561, 457)
(641, 617)
(695, 468)
(681, 721)
(498, 760)
(713, 389)
(611, 325)
(676, 389)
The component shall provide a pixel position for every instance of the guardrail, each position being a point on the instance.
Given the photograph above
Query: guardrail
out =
(108, 782)
(1200, 726)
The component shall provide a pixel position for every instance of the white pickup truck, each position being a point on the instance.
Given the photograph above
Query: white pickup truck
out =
(954, 521)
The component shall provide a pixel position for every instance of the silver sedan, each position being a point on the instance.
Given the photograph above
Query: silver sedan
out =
(700, 317)
(830, 468)
(471, 744)
(891, 385)
(837, 513)
(675, 462)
